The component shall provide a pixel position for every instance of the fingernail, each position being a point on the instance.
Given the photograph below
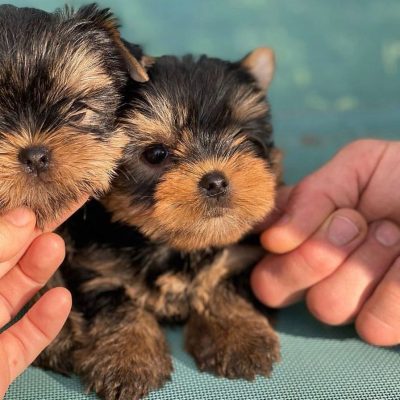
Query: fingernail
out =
(342, 231)
(387, 234)
(18, 217)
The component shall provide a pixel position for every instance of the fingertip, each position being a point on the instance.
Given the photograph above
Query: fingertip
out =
(17, 230)
(324, 307)
(269, 288)
(279, 239)
(54, 243)
(54, 303)
(44, 256)
(375, 332)
(66, 214)
(20, 217)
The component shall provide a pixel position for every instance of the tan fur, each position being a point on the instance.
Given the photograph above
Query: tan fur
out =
(57, 355)
(171, 298)
(118, 358)
(149, 130)
(182, 217)
(136, 70)
(231, 339)
(246, 105)
(80, 165)
(261, 64)
(232, 261)
(80, 70)
(277, 165)
(124, 210)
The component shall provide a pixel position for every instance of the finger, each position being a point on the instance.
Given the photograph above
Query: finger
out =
(282, 198)
(280, 280)
(40, 325)
(71, 210)
(339, 298)
(336, 185)
(19, 285)
(378, 322)
(16, 229)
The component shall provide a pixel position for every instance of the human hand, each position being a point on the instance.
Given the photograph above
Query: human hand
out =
(338, 243)
(28, 258)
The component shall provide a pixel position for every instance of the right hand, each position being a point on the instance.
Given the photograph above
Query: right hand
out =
(338, 243)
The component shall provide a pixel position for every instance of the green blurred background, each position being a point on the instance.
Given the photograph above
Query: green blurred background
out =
(338, 61)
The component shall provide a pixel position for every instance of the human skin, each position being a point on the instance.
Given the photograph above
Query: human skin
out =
(28, 258)
(337, 243)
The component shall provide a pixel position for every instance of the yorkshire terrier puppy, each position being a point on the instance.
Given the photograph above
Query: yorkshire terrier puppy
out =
(61, 77)
(166, 244)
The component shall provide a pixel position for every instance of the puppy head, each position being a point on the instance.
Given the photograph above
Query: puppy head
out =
(200, 169)
(61, 76)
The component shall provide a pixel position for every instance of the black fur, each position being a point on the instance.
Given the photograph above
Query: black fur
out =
(33, 43)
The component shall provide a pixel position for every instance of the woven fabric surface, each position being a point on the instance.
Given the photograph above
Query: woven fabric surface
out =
(318, 362)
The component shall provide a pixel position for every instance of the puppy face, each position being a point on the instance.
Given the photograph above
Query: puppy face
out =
(60, 79)
(199, 170)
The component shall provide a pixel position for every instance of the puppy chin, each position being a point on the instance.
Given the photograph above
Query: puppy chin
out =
(208, 232)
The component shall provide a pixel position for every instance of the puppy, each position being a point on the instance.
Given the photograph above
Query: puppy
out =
(61, 75)
(166, 244)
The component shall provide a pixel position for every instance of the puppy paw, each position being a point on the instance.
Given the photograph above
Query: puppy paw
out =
(117, 377)
(233, 350)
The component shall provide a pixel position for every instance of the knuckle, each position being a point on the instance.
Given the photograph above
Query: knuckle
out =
(325, 307)
(313, 259)
(360, 145)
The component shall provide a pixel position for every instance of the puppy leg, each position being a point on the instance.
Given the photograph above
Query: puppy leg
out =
(228, 337)
(125, 356)
(58, 355)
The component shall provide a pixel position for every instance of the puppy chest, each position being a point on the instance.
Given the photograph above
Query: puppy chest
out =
(170, 296)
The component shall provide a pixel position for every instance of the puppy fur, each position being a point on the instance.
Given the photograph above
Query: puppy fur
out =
(61, 78)
(169, 242)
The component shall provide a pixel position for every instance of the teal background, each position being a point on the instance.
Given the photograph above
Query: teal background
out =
(337, 80)
(338, 61)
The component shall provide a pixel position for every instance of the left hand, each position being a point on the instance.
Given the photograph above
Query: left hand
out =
(28, 258)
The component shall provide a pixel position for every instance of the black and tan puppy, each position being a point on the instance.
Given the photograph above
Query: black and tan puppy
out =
(167, 243)
(61, 75)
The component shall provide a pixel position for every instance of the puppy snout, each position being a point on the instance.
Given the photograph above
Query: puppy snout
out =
(214, 184)
(35, 159)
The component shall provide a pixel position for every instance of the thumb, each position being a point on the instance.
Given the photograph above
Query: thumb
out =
(338, 184)
(16, 229)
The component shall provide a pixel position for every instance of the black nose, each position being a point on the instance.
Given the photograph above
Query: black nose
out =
(35, 159)
(214, 184)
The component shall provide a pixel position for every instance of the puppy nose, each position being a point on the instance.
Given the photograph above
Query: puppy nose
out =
(35, 159)
(214, 184)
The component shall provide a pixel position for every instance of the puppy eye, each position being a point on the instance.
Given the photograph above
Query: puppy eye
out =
(155, 154)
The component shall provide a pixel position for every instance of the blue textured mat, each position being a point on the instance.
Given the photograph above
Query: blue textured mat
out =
(318, 362)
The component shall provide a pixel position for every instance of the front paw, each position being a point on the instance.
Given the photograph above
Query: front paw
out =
(233, 350)
(113, 376)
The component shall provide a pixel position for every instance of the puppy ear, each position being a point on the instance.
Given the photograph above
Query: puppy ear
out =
(104, 19)
(261, 64)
